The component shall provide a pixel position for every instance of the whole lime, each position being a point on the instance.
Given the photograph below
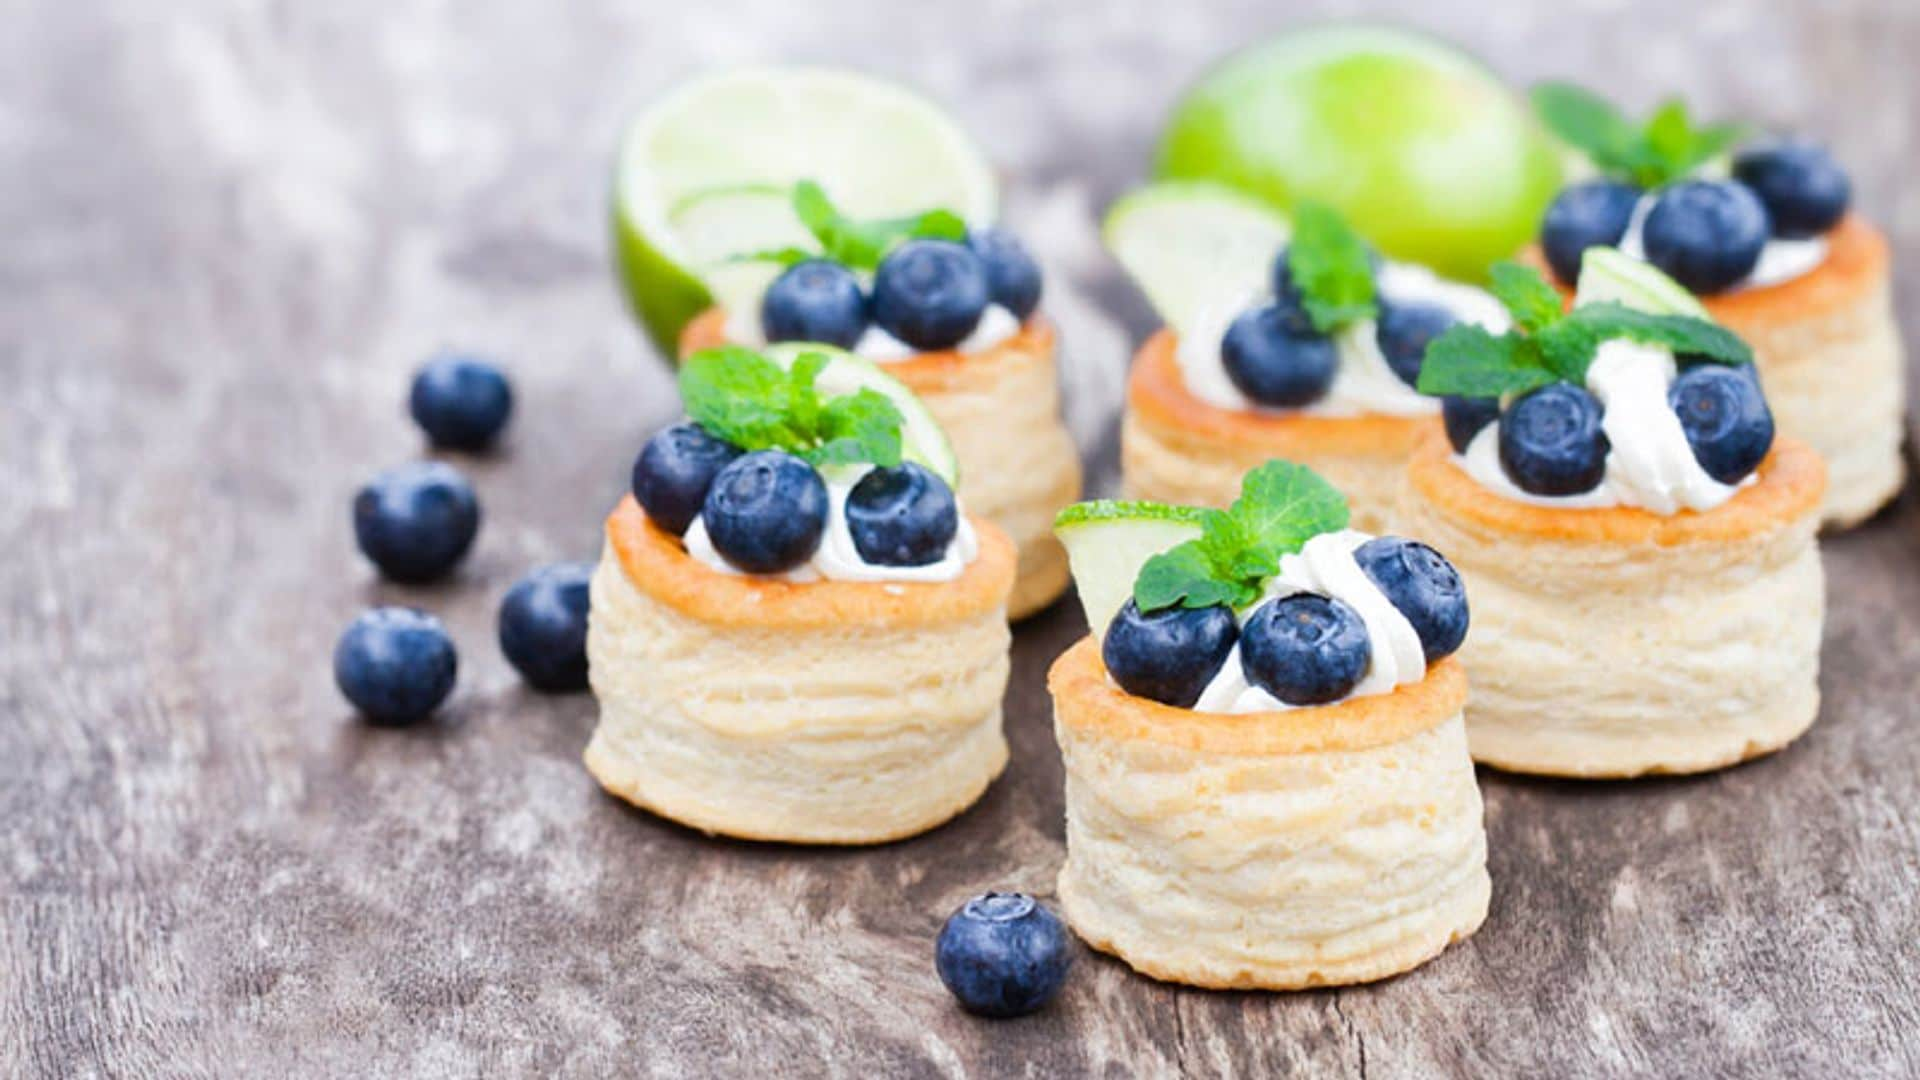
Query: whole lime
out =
(1421, 146)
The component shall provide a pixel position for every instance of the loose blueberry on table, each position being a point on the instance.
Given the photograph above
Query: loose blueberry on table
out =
(1003, 955)
(1551, 442)
(416, 521)
(396, 665)
(1169, 655)
(816, 300)
(1305, 649)
(461, 402)
(930, 293)
(543, 626)
(766, 511)
(902, 516)
(674, 471)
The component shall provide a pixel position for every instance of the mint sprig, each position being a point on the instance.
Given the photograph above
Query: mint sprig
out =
(740, 396)
(858, 244)
(1549, 344)
(1667, 147)
(1328, 263)
(1281, 506)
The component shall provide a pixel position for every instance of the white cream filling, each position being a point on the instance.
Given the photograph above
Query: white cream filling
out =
(1364, 383)
(1650, 463)
(996, 325)
(837, 559)
(1326, 566)
(1781, 260)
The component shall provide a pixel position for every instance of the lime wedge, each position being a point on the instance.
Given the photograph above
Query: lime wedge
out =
(1606, 274)
(1192, 245)
(1107, 542)
(922, 438)
(703, 175)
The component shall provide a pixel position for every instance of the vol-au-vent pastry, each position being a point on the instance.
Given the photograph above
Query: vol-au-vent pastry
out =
(1766, 238)
(1268, 783)
(797, 631)
(1283, 339)
(1639, 546)
(951, 311)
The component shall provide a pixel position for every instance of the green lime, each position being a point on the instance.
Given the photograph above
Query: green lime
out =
(703, 174)
(1191, 244)
(1107, 543)
(1423, 148)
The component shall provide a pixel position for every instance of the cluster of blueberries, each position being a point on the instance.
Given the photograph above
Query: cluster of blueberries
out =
(1552, 442)
(1274, 355)
(1705, 234)
(766, 511)
(1304, 649)
(416, 522)
(928, 293)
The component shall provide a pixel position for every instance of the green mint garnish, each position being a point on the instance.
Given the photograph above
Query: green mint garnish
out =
(854, 243)
(1281, 506)
(1668, 147)
(740, 396)
(1548, 344)
(1329, 265)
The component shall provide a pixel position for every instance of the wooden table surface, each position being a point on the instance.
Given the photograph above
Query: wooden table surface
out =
(228, 231)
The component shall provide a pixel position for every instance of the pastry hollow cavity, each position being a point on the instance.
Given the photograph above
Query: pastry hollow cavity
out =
(1000, 409)
(1312, 847)
(1616, 642)
(827, 712)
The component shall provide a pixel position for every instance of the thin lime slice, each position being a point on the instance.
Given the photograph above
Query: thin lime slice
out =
(1192, 245)
(1606, 274)
(922, 438)
(1107, 543)
(727, 143)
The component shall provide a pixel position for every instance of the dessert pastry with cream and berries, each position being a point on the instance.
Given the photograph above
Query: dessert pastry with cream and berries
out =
(1638, 544)
(1768, 241)
(1283, 340)
(951, 311)
(1268, 784)
(797, 632)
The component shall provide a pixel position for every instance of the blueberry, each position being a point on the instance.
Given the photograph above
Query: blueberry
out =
(1404, 331)
(766, 512)
(1725, 417)
(1593, 213)
(415, 521)
(1013, 278)
(1003, 955)
(1551, 442)
(1305, 649)
(930, 293)
(1287, 297)
(1464, 418)
(1170, 655)
(461, 402)
(903, 516)
(1706, 234)
(1804, 190)
(395, 664)
(1423, 585)
(543, 626)
(1274, 364)
(815, 300)
(673, 472)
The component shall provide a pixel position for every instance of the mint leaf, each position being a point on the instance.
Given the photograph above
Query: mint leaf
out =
(1185, 576)
(1468, 361)
(860, 427)
(1683, 334)
(1568, 347)
(1586, 121)
(1667, 147)
(1328, 263)
(1532, 302)
(857, 244)
(740, 396)
(1282, 505)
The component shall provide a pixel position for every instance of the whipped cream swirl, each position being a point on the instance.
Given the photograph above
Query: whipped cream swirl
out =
(1325, 565)
(837, 559)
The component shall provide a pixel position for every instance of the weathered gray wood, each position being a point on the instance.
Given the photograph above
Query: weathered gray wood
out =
(229, 232)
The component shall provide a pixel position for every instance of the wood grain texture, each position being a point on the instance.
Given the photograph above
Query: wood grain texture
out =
(230, 231)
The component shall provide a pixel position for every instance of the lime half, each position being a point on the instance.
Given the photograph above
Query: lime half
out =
(922, 438)
(703, 176)
(1190, 245)
(1107, 543)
